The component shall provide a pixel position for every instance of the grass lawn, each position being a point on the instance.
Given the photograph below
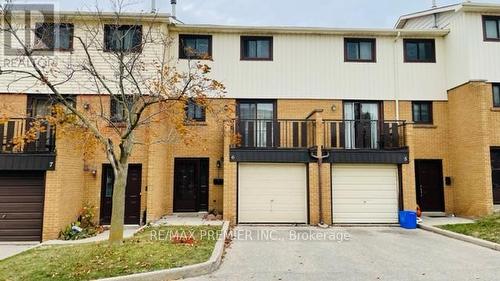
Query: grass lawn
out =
(149, 250)
(487, 228)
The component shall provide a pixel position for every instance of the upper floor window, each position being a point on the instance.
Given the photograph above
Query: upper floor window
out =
(118, 107)
(195, 111)
(359, 50)
(422, 112)
(496, 95)
(419, 50)
(122, 38)
(491, 28)
(54, 36)
(256, 48)
(195, 46)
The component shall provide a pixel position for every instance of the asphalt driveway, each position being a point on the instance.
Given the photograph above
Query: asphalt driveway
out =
(357, 253)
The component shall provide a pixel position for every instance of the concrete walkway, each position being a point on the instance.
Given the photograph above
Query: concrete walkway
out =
(371, 253)
(9, 249)
(444, 220)
(187, 219)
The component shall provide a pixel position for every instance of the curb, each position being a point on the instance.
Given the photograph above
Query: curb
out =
(182, 272)
(462, 237)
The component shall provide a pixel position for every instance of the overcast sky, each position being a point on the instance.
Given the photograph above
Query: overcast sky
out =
(320, 13)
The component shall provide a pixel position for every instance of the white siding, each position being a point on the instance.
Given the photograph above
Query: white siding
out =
(429, 22)
(312, 66)
(81, 82)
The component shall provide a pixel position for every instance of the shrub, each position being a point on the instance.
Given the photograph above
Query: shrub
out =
(84, 227)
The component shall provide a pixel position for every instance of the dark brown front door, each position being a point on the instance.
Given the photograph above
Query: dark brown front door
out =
(429, 185)
(21, 205)
(495, 173)
(132, 194)
(191, 185)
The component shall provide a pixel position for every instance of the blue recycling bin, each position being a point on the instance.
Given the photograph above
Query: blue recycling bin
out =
(408, 219)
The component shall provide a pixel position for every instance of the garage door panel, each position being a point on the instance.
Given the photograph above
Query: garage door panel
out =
(21, 205)
(364, 193)
(272, 193)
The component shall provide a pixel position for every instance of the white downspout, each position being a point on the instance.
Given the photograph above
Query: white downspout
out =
(396, 74)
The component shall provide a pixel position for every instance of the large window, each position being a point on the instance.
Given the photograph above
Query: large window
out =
(359, 50)
(422, 112)
(54, 36)
(419, 50)
(256, 48)
(195, 111)
(195, 46)
(491, 28)
(122, 38)
(496, 95)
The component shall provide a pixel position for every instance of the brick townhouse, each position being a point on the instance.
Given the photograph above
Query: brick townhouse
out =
(337, 126)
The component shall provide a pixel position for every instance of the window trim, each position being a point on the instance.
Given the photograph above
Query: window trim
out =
(493, 85)
(71, 26)
(431, 112)
(182, 54)
(484, 19)
(373, 41)
(135, 49)
(245, 38)
(416, 40)
(195, 120)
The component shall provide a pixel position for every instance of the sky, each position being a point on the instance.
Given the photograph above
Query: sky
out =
(312, 13)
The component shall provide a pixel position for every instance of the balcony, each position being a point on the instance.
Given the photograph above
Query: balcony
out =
(38, 153)
(347, 141)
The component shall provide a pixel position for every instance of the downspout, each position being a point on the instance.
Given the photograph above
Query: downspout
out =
(396, 74)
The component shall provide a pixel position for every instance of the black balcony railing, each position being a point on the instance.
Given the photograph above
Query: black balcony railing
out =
(272, 133)
(15, 129)
(364, 134)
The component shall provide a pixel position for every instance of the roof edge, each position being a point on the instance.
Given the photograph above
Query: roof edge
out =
(204, 28)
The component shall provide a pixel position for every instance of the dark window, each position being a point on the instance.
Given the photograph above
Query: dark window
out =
(422, 112)
(195, 111)
(256, 48)
(118, 108)
(420, 50)
(491, 28)
(122, 38)
(496, 95)
(54, 36)
(359, 50)
(195, 46)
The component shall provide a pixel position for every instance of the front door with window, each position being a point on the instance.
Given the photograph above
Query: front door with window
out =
(132, 194)
(257, 123)
(429, 185)
(191, 185)
(495, 173)
(361, 124)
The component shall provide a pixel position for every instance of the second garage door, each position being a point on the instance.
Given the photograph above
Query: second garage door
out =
(272, 193)
(365, 193)
(21, 205)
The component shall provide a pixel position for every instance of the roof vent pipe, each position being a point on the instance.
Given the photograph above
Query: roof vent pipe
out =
(153, 6)
(173, 3)
(434, 4)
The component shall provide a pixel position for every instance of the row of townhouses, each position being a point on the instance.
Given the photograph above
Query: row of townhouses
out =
(336, 126)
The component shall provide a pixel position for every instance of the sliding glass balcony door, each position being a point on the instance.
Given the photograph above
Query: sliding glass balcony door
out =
(361, 125)
(256, 123)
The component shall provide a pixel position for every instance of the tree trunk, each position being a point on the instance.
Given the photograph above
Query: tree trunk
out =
(118, 210)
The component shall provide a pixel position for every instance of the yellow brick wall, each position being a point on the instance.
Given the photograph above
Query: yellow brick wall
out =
(470, 137)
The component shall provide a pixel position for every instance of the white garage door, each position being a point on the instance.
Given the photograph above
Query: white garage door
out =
(272, 193)
(365, 193)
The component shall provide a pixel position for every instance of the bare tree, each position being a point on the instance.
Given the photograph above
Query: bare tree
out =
(144, 86)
